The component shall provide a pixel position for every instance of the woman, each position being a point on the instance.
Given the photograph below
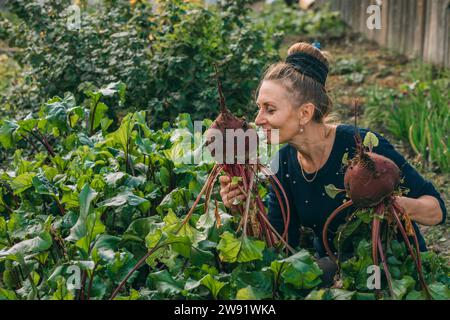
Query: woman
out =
(292, 98)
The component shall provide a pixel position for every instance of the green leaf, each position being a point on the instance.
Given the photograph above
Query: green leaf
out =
(106, 246)
(235, 180)
(112, 88)
(87, 195)
(321, 294)
(232, 249)
(172, 223)
(332, 191)
(439, 291)
(121, 135)
(93, 226)
(153, 238)
(22, 182)
(61, 292)
(180, 244)
(208, 219)
(134, 295)
(7, 294)
(364, 296)
(79, 230)
(105, 123)
(164, 176)
(214, 286)
(403, 286)
(119, 268)
(7, 133)
(345, 231)
(345, 159)
(43, 186)
(141, 227)
(111, 179)
(339, 294)
(370, 140)
(126, 197)
(99, 116)
(416, 295)
(145, 145)
(300, 270)
(164, 283)
(259, 281)
(39, 243)
(251, 293)
(199, 257)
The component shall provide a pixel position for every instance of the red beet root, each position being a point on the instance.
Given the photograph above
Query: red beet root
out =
(370, 178)
(240, 129)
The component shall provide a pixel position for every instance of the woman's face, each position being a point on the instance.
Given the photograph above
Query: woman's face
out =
(276, 112)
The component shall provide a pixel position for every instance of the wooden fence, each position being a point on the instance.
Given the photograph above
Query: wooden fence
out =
(419, 28)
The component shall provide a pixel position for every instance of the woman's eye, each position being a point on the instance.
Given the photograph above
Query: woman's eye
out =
(270, 111)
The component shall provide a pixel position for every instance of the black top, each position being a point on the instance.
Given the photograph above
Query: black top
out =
(309, 203)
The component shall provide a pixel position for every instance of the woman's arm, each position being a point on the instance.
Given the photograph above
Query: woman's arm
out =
(425, 210)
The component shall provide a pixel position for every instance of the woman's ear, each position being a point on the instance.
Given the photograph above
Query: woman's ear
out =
(306, 113)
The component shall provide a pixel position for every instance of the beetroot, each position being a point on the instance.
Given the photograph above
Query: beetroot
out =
(370, 179)
(228, 125)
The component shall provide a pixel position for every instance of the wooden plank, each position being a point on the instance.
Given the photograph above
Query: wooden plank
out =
(447, 37)
(384, 22)
(410, 20)
(406, 22)
(365, 16)
(390, 41)
(419, 35)
(434, 37)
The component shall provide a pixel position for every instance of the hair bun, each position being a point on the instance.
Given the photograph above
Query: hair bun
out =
(308, 48)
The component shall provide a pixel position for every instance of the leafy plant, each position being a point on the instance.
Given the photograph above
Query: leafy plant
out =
(164, 58)
(86, 203)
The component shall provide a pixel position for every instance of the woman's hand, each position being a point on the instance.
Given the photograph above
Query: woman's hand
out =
(230, 193)
(424, 210)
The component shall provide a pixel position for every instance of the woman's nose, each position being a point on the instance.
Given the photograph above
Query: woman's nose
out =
(259, 120)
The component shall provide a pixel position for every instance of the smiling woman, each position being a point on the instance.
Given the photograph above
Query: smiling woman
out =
(293, 100)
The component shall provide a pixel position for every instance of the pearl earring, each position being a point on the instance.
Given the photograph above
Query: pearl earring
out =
(301, 129)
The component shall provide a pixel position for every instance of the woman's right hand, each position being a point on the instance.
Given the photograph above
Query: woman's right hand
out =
(229, 192)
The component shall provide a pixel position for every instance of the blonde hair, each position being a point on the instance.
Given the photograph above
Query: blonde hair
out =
(303, 89)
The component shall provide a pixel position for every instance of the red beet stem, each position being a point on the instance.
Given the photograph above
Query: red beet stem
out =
(275, 183)
(338, 210)
(212, 176)
(385, 266)
(417, 259)
(379, 211)
(223, 107)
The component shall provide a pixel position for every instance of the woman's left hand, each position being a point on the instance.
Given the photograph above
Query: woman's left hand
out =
(424, 210)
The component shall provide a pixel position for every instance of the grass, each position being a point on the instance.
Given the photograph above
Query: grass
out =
(417, 113)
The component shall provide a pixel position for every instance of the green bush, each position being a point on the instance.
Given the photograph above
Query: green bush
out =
(166, 58)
